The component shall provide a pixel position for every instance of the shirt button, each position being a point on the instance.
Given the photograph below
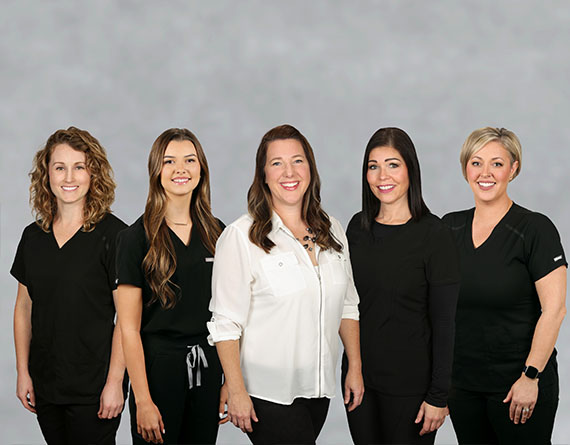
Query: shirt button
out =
(280, 264)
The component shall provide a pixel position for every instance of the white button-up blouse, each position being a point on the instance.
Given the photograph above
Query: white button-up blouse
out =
(285, 311)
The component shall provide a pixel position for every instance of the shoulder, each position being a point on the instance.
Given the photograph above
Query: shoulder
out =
(242, 224)
(456, 220)
(220, 223)
(134, 233)
(110, 225)
(32, 231)
(531, 222)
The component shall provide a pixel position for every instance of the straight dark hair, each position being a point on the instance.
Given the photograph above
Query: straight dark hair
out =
(398, 140)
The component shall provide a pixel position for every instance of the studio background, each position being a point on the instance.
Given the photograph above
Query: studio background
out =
(229, 71)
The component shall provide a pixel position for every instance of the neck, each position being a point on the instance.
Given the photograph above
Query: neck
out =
(290, 215)
(178, 210)
(396, 213)
(494, 210)
(69, 214)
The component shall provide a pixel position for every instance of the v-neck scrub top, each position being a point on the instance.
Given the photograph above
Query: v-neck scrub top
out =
(407, 278)
(72, 309)
(498, 304)
(285, 312)
(192, 278)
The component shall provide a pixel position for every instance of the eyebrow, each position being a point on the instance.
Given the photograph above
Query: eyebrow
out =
(492, 159)
(186, 156)
(385, 160)
(61, 162)
(281, 157)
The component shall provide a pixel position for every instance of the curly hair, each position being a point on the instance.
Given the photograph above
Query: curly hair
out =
(159, 263)
(101, 192)
(259, 201)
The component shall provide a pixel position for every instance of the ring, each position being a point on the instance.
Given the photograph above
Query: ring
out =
(526, 410)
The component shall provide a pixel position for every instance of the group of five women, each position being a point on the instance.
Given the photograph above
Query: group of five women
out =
(456, 315)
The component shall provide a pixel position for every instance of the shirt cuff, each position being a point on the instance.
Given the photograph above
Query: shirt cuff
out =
(222, 329)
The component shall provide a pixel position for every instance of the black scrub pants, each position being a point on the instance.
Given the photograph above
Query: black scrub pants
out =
(387, 419)
(190, 415)
(75, 424)
(299, 423)
(483, 418)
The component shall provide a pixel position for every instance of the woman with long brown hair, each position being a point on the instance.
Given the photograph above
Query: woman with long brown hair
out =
(282, 291)
(164, 266)
(68, 350)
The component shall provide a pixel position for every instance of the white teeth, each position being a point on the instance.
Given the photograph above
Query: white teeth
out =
(181, 180)
(69, 188)
(289, 184)
(385, 187)
(486, 184)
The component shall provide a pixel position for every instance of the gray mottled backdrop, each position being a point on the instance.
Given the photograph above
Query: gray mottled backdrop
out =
(229, 71)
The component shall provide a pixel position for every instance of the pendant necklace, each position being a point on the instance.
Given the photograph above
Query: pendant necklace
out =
(310, 237)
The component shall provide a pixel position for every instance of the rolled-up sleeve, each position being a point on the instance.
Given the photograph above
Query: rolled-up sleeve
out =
(351, 299)
(231, 286)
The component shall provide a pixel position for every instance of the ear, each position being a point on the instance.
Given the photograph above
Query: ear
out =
(514, 166)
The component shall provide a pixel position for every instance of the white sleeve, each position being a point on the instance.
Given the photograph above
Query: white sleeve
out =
(231, 286)
(351, 298)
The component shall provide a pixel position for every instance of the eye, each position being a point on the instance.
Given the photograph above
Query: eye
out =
(298, 161)
(497, 164)
(372, 167)
(59, 168)
(475, 163)
(276, 163)
(168, 161)
(190, 160)
(393, 165)
(80, 167)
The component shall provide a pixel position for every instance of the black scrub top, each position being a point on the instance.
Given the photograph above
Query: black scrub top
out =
(498, 305)
(396, 268)
(72, 309)
(192, 277)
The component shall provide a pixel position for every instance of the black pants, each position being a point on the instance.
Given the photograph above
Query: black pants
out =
(299, 423)
(190, 416)
(75, 424)
(483, 418)
(385, 419)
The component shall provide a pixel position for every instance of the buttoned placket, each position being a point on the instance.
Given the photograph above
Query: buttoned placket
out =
(317, 271)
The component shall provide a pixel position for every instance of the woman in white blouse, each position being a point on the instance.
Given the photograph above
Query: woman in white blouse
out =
(282, 289)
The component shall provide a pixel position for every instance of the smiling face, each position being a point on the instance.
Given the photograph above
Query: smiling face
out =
(180, 169)
(489, 171)
(387, 176)
(287, 172)
(69, 179)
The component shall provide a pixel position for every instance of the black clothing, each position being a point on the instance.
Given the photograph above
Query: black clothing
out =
(75, 424)
(406, 277)
(192, 277)
(190, 415)
(386, 419)
(498, 304)
(72, 312)
(483, 418)
(299, 423)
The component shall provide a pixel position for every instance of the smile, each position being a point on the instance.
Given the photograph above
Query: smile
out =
(181, 180)
(485, 185)
(386, 188)
(69, 188)
(290, 186)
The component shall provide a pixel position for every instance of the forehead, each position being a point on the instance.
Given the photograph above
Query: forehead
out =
(284, 148)
(65, 153)
(180, 148)
(493, 149)
(379, 154)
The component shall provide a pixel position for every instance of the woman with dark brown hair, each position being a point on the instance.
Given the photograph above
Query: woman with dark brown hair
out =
(164, 266)
(282, 291)
(68, 350)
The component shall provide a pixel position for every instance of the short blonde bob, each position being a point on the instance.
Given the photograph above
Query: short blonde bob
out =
(101, 192)
(481, 137)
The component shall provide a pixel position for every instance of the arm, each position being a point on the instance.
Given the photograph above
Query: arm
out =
(240, 407)
(129, 303)
(551, 291)
(22, 339)
(112, 399)
(354, 384)
(442, 307)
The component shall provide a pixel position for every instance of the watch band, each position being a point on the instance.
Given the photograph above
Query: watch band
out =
(531, 372)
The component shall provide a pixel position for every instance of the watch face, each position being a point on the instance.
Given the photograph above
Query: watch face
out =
(531, 372)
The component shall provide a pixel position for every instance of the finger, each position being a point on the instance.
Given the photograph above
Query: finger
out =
(517, 415)
(509, 396)
(157, 435)
(247, 424)
(253, 415)
(512, 408)
(223, 420)
(346, 394)
(420, 414)
(161, 425)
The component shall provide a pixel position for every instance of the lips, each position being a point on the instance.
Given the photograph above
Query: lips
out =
(486, 185)
(386, 188)
(289, 186)
(181, 181)
(69, 188)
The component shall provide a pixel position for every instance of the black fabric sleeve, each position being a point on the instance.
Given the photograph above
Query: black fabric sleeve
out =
(18, 269)
(543, 249)
(442, 263)
(131, 250)
(115, 227)
(442, 306)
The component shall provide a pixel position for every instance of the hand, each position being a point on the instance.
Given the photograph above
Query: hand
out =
(25, 392)
(523, 394)
(433, 417)
(111, 401)
(353, 385)
(222, 410)
(149, 422)
(240, 411)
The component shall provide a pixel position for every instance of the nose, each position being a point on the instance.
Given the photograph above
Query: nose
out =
(180, 167)
(288, 169)
(68, 174)
(383, 173)
(485, 171)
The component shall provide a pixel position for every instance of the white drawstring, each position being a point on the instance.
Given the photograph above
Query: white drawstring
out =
(194, 358)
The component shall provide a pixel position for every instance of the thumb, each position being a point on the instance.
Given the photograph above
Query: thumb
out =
(420, 414)
(509, 396)
(346, 393)
(161, 425)
(32, 397)
(100, 412)
(253, 415)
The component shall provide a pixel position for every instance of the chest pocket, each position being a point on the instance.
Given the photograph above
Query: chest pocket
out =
(337, 269)
(283, 273)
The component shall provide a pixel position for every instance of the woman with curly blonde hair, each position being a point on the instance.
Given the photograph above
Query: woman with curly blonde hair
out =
(68, 350)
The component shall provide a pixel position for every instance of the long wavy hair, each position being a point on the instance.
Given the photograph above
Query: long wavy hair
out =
(159, 263)
(101, 193)
(400, 141)
(259, 202)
